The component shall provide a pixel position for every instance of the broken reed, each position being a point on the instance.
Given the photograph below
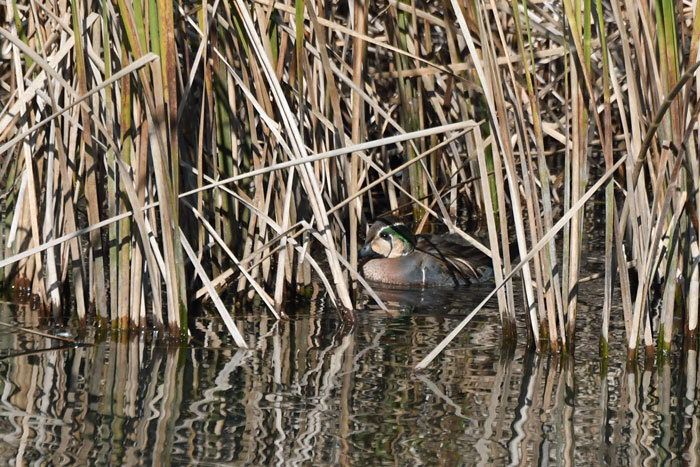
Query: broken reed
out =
(188, 110)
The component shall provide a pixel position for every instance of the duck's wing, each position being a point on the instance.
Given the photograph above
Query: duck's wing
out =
(453, 251)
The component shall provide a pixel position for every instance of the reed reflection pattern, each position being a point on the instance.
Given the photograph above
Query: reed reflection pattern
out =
(315, 390)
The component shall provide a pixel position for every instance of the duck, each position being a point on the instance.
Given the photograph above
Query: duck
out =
(396, 256)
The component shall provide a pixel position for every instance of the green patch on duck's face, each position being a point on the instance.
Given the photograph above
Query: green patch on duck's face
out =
(393, 241)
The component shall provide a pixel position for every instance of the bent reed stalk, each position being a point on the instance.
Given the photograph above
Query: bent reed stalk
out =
(288, 125)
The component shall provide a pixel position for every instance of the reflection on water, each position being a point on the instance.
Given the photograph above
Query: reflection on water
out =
(315, 390)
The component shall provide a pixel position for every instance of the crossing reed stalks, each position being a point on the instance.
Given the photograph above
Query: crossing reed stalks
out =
(155, 153)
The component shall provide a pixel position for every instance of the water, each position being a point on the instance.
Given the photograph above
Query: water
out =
(313, 390)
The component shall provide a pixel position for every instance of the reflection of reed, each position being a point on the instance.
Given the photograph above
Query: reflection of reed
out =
(664, 404)
(629, 388)
(317, 391)
(326, 383)
(171, 396)
(564, 409)
(647, 420)
(535, 436)
(692, 447)
(499, 391)
(549, 398)
(112, 403)
(146, 407)
(30, 378)
(518, 444)
(571, 389)
(605, 452)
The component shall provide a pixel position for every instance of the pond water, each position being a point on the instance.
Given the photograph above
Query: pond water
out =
(313, 390)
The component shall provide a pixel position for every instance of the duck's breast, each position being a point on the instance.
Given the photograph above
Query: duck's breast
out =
(409, 270)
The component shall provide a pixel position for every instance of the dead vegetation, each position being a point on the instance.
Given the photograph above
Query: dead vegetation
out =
(246, 143)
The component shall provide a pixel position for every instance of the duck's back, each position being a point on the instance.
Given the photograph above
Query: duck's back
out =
(464, 261)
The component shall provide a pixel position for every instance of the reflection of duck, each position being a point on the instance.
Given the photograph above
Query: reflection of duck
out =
(399, 257)
(425, 301)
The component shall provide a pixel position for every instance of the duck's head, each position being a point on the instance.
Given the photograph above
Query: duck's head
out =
(388, 238)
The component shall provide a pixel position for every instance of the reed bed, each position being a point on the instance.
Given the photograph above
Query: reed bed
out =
(156, 153)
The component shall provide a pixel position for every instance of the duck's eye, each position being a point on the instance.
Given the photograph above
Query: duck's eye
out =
(384, 235)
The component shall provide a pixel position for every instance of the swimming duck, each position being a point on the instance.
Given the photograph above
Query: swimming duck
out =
(397, 256)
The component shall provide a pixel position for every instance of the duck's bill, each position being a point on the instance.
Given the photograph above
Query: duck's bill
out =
(366, 252)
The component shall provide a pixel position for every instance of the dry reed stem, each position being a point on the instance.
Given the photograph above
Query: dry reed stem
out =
(524, 260)
(241, 97)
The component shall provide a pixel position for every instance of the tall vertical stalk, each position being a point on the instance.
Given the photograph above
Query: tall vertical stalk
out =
(87, 152)
(610, 226)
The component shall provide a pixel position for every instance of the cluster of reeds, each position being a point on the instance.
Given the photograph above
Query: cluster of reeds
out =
(603, 85)
(245, 144)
